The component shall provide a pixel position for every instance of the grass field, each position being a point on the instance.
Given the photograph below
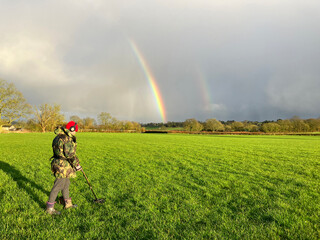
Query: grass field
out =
(163, 186)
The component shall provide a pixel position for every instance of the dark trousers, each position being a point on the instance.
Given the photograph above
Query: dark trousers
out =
(60, 184)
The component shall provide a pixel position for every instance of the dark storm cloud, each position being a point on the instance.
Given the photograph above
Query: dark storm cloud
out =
(242, 60)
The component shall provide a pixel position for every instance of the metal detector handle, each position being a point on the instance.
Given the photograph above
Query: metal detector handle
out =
(89, 183)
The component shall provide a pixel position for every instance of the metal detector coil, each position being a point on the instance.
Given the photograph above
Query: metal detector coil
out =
(100, 200)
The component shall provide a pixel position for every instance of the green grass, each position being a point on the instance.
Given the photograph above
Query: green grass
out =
(163, 186)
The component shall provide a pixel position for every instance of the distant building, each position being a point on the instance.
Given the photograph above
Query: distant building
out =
(8, 128)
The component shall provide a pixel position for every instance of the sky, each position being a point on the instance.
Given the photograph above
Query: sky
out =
(168, 60)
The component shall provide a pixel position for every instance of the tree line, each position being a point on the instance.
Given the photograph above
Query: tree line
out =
(46, 117)
(295, 124)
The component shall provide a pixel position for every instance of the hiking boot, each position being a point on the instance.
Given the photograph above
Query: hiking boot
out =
(50, 209)
(68, 204)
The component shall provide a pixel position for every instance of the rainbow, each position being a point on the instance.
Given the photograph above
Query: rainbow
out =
(151, 80)
(205, 90)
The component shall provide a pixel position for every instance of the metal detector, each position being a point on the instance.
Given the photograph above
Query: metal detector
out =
(101, 200)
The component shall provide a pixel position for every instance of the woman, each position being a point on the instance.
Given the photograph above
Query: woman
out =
(64, 165)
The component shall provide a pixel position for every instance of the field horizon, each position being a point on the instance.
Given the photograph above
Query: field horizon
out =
(165, 186)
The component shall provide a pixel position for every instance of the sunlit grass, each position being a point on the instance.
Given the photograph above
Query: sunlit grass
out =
(162, 186)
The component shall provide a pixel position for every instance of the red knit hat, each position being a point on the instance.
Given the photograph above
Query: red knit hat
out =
(72, 126)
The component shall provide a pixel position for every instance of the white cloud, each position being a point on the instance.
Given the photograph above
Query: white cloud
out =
(32, 60)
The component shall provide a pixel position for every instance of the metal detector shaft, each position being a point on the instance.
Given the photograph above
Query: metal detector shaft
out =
(89, 184)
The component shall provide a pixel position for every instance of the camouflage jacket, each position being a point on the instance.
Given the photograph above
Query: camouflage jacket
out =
(64, 158)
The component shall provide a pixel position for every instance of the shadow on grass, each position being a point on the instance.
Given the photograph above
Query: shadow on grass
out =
(24, 183)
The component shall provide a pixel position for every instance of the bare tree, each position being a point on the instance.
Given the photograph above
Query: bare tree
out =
(136, 126)
(89, 123)
(105, 119)
(12, 103)
(48, 116)
(115, 123)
